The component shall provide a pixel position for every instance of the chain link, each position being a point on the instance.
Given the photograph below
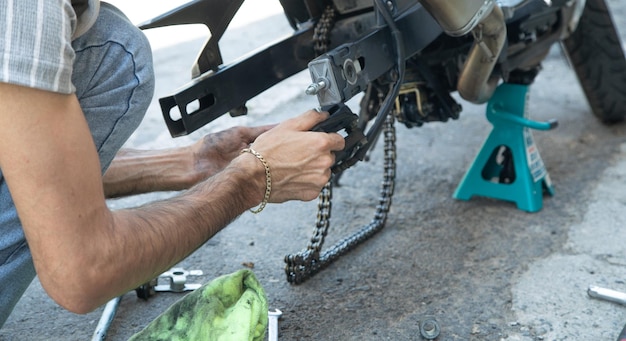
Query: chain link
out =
(321, 33)
(301, 266)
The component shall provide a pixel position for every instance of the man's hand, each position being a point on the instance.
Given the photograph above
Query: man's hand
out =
(299, 159)
(142, 171)
(215, 151)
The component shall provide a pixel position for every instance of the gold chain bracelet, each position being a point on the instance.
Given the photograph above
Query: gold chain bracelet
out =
(268, 179)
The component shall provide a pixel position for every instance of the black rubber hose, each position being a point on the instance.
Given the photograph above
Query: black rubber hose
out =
(386, 106)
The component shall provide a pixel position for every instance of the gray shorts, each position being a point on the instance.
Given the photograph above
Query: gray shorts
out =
(114, 82)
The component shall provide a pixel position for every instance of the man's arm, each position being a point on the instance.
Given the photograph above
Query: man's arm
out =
(84, 253)
(141, 171)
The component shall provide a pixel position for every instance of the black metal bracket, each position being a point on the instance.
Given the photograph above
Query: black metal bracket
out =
(216, 15)
(227, 87)
(215, 93)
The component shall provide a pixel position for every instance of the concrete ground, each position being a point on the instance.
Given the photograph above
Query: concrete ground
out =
(482, 268)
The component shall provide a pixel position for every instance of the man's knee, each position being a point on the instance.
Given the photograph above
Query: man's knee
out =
(114, 79)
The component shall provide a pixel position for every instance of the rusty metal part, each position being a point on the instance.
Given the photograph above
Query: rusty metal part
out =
(476, 82)
(485, 20)
(458, 17)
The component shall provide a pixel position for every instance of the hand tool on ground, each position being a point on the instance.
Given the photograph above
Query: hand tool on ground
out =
(609, 295)
(105, 321)
(177, 278)
(273, 324)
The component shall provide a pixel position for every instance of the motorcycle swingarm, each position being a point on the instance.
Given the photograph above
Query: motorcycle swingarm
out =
(227, 89)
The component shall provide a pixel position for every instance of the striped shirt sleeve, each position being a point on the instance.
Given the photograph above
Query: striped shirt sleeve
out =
(35, 44)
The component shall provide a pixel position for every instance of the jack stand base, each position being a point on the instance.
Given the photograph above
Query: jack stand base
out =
(508, 166)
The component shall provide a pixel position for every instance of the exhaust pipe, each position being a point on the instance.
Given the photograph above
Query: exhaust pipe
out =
(485, 21)
(476, 84)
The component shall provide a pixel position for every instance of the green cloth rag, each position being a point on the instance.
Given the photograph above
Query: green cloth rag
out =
(231, 307)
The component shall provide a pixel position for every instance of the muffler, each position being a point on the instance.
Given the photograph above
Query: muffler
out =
(484, 19)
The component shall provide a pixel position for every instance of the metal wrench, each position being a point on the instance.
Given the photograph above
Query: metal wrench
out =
(105, 321)
(273, 324)
(607, 294)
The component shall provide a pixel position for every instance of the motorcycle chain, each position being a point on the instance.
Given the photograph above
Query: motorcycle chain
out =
(303, 265)
(321, 33)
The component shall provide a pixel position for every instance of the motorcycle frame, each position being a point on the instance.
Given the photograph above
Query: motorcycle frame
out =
(218, 88)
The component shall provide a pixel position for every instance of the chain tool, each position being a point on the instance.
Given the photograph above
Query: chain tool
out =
(303, 265)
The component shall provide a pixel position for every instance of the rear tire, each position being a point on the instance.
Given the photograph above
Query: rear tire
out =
(595, 51)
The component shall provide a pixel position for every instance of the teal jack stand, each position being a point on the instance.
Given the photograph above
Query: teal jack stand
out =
(508, 166)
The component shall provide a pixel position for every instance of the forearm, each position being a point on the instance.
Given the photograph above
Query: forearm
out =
(142, 171)
(143, 242)
(85, 254)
